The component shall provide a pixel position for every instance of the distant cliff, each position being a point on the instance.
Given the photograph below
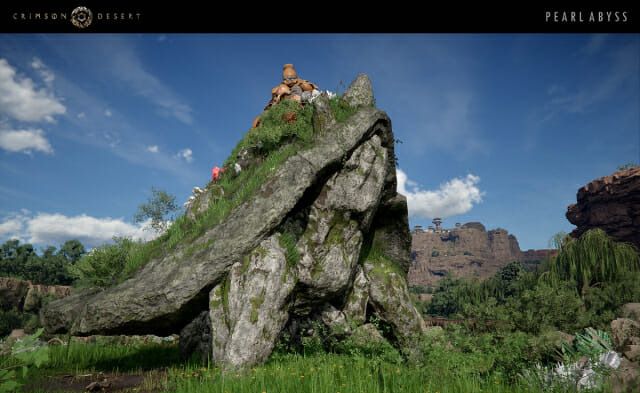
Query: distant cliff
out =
(610, 203)
(469, 251)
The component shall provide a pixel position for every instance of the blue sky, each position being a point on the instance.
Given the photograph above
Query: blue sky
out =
(501, 129)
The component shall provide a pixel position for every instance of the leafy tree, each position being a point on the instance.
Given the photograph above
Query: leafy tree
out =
(592, 260)
(72, 250)
(510, 272)
(447, 297)
(158, 207)
(15, 257)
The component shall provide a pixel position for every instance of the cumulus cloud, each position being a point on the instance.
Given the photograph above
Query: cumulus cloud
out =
(12, 226)
(80, 115)
(107, 113)
(187, 154)
(53, 229)
(456, 196)
(24, 141)
(21, 100)
(153, 149)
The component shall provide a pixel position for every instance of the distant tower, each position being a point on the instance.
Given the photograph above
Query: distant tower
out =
(430, 228)
(457, 225)
(437, 221)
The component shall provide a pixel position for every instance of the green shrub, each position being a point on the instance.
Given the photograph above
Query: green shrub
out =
(9, 320)
(545, 307)
(103, 265)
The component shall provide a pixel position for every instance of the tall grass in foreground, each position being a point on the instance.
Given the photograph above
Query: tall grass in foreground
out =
(331, 373)
(442, 371)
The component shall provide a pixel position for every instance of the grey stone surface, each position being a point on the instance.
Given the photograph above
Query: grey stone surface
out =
(171, 290)
(390, 230)
(355, 307)
(287, 259)
(359, 92)
(631, 311)
(623, 332)
(196, 337)
(389, 297)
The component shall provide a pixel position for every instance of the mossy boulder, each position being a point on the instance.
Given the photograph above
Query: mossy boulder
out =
(290, 256)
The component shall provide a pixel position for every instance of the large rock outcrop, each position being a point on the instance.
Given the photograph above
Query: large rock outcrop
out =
(24, 295)
(324, 239)
(469, 251)
(610, 203)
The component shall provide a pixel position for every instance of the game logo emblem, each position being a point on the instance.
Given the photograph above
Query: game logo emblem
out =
(81, 17)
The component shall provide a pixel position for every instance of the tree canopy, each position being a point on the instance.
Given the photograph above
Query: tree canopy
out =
(158, 209)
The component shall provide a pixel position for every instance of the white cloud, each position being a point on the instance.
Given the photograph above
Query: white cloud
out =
(456, 196)
(107, 113)
(54, 229)
(187, 154)
(24, 141)
(45, 73)
(80, 115)
(20, 99)
(12, 227)
(153, 149)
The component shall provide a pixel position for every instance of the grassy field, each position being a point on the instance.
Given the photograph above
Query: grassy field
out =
(146, 368)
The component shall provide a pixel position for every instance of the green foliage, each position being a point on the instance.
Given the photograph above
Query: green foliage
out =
(435, 253)
(510, 272)
(288, 242)
(21, 261)
(584, 285)
(157, 209)
(277, 126)
(9, 320)
(590, 344)
(25, 354)
(419, 289)
(341, 111)
(595, 258)
(557, 240)
(544, 308)
(447, 298)
(275, 130)
(72, 250)
(628, 165)
(103, 265)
